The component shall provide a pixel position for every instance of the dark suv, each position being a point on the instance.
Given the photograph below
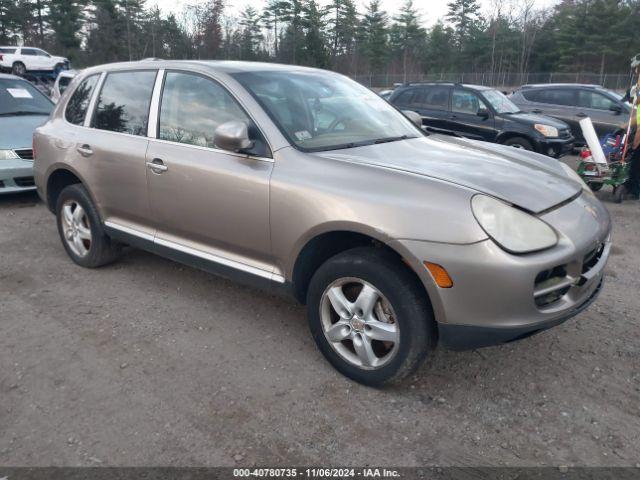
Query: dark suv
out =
(572, 102)
(483, 113)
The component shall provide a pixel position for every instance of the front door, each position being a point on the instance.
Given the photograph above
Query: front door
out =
(208, 202)
(605, 113)
(470, 116)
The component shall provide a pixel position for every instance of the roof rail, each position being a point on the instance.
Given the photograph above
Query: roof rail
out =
(435, 82)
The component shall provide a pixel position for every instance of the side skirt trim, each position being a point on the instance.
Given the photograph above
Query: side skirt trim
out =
(149, 242)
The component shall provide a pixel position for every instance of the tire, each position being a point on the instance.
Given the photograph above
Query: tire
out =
(18, 69)
(595, 186)
(519, 142)
(81, 230)
(618, 193)
(401, 303)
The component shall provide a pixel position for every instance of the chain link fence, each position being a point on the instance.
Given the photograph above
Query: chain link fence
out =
(503, 81)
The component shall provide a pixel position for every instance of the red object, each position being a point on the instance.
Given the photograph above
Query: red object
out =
(590, 167)
(586, 153)
(1, 57)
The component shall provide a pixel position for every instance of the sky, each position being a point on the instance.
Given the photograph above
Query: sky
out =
(431, 9)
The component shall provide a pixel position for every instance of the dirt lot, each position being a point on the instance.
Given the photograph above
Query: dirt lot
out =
(147, 362)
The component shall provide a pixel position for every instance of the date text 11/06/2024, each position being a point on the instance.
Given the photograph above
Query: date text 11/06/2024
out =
(316, 473)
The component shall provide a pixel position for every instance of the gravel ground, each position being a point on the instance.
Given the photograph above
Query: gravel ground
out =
(147, 362)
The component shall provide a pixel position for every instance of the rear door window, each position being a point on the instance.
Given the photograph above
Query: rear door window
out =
(123, 104)
(434, 98)
(29, 51)
(8, 50)
(560, 96)
(79, 101)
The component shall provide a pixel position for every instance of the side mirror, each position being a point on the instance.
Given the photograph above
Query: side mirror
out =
(483, 112)
(617, 109)
(232, 136)
(414, 117)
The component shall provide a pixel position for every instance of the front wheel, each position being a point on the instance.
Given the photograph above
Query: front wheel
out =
(519, 142)
(370, 317)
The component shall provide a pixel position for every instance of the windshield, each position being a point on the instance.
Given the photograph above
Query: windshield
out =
(325, 111)
(18, 97)
(500, 102)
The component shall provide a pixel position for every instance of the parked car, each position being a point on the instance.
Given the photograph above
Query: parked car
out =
(483, 113)
(22, 109)
(20, 60)
(385, 94)
(573, 102)
(61, 84)
(302, 180)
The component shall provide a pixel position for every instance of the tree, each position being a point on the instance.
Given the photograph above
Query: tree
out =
(462, 14)
(250, 33)
(315, 49)
(408, 37)
(375, 36)
(66, 19)
(343, 28)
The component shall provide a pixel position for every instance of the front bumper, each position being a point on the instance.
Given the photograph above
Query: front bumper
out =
(499, 297)
(16, 176)
(556, 147)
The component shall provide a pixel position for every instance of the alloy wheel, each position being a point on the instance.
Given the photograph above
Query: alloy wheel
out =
(359, 323)
(76, 228)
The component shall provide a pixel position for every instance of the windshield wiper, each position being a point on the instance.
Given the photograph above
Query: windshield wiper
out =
(391, 139)
(22, 112)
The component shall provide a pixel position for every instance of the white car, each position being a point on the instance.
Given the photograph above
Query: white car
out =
(20, 60)
(61, 84)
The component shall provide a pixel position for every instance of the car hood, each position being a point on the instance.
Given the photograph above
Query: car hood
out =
(529, 180)
(17, 132)
(532, 119)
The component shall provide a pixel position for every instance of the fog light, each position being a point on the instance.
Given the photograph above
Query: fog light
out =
(439, 274)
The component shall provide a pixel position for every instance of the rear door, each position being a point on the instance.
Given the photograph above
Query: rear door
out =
(466, 116)
(115, 147)
(208, 202)
(605, 113)
(557, 102)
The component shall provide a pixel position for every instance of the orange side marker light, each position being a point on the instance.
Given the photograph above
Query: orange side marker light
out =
(439, 274)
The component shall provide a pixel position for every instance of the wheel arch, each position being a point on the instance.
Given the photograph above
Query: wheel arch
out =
(322, 245)
(57, 180)
(508, 135)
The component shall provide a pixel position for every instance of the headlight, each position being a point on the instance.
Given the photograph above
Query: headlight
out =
(512, 229)
(546, 130)
(8, 155)
(571, 173)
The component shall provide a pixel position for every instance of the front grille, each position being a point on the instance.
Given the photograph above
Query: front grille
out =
(564, 133)
(24, 181)
(25, 153)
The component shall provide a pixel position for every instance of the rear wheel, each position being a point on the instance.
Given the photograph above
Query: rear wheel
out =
(519, 142)
(618, 193)
(81, 230)
(18, 69)
(595, 186)
(369, 316)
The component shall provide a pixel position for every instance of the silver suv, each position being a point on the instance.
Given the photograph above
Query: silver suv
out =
(302, 180)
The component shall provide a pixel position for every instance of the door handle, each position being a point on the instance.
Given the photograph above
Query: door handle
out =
(582, 115)
(85, 150)
(536, 110)
(157, 166)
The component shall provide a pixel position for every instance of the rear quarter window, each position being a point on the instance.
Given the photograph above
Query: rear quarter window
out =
(79, 101)
(123, 104)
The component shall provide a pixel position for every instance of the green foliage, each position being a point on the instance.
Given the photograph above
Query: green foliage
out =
(575, 35)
